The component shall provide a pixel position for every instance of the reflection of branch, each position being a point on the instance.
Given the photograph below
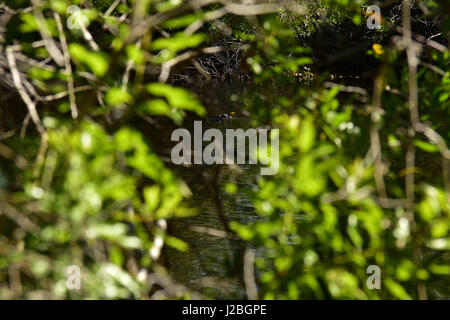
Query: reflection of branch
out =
(249, 275)
(217, 200)
(170, 287)
(213, 232)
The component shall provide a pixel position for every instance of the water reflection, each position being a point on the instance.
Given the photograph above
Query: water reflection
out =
(213, 265)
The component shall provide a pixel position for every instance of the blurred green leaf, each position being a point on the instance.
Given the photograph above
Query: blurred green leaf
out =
(96, 61)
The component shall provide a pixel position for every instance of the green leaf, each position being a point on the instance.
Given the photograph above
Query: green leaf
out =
(440, 228)
(163, 6)
(180, 22)
(176, 243)
(443, 96)
(307, 135)
(440, 244)
(179, 41)
(428, 147)
(303, 60)
(151, 196)
(96, 61)
(40, 74)
(440, 269)
(116, 256)
(396, 289)
(243, 231)
(30, 24)
(177, 97)
(59, 6)
(117, 96)
(405, 269)
(157, 107)
(130, 242)
(118, 187)
(283, 263)
(135, 54)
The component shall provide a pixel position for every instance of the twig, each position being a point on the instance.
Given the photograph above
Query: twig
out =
(25, 123)
(23, 94)
(129, 67)
(170, 287)
(64, 94)
(40, 64)
(46, 34)
(166, 66)
(112, 8)
(421, 39)
(9, 154)
(31, 109)
(433, 68)
(158, 241)
(435, 138)
(375, 145)
(88, 37)
(8, 134)
(209, 16)
(200, 69)
(68, 66)
(412, 51)
(19, 218)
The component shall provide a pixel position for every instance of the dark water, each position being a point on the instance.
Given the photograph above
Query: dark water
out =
(213, 264)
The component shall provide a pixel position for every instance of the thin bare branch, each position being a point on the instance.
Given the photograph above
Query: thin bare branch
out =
(46, 34)
(68, 66)
(23, 94)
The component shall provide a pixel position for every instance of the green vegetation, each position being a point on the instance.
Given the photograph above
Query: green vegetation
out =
(363, 115)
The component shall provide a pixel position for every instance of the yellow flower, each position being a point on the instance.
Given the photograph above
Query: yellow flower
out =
(377, 48)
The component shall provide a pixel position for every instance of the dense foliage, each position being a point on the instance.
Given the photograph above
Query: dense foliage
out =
(364, 174)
